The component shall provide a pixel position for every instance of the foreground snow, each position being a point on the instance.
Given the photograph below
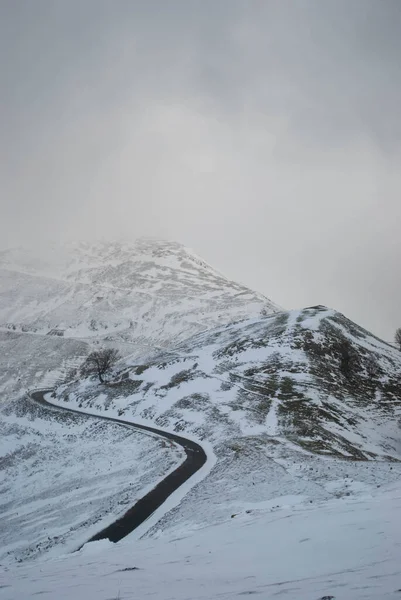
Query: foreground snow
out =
(342, 549)
(64, 477)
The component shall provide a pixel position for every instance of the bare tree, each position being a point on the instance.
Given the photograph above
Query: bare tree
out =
(100, 362)
(397, 337)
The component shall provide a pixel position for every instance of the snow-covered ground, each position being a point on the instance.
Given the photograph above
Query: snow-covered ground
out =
(64, 477)
(343, 549)
(300, 410)
(269, 520)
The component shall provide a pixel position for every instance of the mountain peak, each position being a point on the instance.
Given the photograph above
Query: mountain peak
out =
(148, 291)
(60, 260)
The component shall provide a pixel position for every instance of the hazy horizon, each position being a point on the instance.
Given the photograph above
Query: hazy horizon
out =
(266, 136)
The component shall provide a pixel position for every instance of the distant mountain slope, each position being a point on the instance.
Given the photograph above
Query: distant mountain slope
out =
(149, 292)
(29, 360)
(309, 377)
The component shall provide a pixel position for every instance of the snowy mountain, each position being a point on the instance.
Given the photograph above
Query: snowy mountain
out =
(55, 300)
(150, 291)
(299, 412)
(310, 377)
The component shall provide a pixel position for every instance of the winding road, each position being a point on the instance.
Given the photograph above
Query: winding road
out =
(146, 506)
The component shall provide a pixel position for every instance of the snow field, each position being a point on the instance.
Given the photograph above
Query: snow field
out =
(345, 549)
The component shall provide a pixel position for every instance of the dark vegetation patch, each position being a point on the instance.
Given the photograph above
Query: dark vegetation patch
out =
(126, 387)
(287, 389)
(182, 377)
(238, 346)
(194, 401)
(225, 366)
(333, 445)
(226, 386)
(141, 369)
(23, 453)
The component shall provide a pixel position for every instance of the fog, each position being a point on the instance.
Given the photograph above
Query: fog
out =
(265, 135)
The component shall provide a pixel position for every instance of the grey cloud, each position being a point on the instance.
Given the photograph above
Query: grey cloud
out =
(265, 134)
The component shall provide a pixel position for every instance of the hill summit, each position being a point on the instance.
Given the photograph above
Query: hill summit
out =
(149, 291)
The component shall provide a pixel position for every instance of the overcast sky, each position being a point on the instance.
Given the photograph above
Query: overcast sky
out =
(265, 135)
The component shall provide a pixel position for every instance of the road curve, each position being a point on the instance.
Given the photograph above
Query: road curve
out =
(146, 506)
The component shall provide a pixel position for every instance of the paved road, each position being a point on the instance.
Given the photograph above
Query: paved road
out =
(146, 506)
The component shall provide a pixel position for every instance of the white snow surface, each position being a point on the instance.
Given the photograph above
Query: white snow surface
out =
(65, 477)
(344, 549)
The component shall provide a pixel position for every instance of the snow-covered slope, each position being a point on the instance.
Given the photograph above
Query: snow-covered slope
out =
(64, 477)
(28, 360)
(346, 549)
(150, 291)
(311, 377)
(136, 297)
